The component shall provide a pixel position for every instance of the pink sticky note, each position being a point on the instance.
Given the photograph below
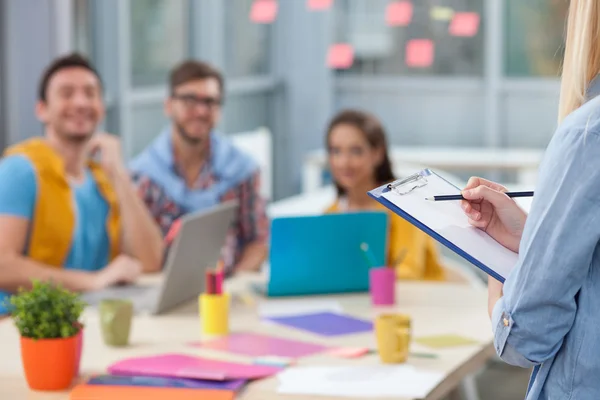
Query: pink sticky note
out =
(399, 13)
(263, 11)
(419, 53)
(319, 5)
(464, 24)
(340, 56)
(349, 352)
(256, 345)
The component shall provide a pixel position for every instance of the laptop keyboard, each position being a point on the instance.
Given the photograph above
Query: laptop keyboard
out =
(143, 297)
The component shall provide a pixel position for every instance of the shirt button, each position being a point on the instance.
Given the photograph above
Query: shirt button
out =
(505, 322)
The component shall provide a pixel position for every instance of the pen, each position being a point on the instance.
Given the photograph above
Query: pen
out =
(423, 355)
(460, 197)
(400, 257)
(369, 257)
(219, 281)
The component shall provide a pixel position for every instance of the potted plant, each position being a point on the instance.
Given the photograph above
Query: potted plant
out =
(47, 318)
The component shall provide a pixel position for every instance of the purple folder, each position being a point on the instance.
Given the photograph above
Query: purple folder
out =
(326, 323)
(156, 381)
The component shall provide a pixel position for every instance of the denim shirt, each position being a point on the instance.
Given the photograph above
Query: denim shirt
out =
(549, 315)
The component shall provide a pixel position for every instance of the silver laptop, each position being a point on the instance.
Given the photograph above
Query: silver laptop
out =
(196, 248)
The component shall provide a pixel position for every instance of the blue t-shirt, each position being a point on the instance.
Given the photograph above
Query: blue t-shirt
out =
(18, 192)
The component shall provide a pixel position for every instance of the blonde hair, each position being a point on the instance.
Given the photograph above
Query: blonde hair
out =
(582, 54)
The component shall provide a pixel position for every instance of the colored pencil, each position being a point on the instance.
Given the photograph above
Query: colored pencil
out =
(210, 282)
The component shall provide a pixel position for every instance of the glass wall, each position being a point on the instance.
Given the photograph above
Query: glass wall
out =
(159, 38)
(500, 68)
(384, 49)
(534, 37)
(135, 44)
(248, 46)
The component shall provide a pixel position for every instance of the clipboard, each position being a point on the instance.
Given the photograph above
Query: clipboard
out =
(445, 221)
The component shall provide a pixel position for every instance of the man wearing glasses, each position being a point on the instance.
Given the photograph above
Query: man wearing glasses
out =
(190, 167)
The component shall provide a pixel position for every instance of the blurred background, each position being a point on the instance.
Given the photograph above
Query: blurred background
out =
(445, 75)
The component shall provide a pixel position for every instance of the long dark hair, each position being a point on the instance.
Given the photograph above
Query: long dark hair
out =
(373, 131)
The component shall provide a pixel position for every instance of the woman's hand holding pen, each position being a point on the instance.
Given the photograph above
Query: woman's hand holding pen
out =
(492, 211)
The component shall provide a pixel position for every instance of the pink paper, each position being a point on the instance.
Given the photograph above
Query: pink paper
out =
(184, 366)
(464, 24)
(419, 53)
(319, 5)
(340, 56)
(254, 345)
(263, 11)
(349, 352)
(399, 13)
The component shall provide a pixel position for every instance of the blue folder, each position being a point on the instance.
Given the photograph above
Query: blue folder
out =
(312, 255)
(413, 183)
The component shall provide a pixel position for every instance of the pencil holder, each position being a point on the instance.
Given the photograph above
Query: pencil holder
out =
(214, 314)
(382, 285)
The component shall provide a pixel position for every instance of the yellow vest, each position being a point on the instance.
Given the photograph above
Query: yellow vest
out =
(53, 224)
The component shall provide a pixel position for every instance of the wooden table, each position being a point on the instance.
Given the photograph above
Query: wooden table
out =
(436, 308)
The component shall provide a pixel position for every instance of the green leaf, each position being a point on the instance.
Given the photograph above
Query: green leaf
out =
(46, 311)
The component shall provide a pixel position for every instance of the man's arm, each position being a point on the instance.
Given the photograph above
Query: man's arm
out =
(19, 271)
(254, 225)
(142, 238)
(253, 255)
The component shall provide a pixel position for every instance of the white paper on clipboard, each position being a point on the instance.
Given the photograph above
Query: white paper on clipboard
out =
(445, 221)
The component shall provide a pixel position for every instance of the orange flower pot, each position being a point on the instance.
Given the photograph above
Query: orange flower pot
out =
(50, 364)
(79, 337)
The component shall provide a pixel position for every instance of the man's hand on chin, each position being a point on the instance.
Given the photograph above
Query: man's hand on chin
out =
(108, 147)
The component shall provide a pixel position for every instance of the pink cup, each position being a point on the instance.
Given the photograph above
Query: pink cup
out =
(382, 285)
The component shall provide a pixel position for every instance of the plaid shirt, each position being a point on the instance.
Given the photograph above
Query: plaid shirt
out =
(251, 223)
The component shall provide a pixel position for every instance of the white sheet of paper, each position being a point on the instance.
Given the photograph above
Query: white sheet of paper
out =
(360, 381)
(448, 220)
(282, 308)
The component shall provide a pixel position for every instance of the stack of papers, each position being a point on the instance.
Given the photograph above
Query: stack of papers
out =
(360, 381)
(287, 307)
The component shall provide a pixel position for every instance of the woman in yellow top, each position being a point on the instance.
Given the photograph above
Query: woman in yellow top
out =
(359, 162)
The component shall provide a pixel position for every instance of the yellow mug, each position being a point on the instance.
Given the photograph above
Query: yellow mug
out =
(393, 334)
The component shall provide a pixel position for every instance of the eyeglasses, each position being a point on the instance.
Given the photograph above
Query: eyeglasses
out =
(191, 101)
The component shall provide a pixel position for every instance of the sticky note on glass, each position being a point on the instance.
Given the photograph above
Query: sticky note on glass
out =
(420, 53)
(439, 13)
(340, 56)
(464, 24)
(319, 5)
(263, 11)
(441, 341)
(399, 13)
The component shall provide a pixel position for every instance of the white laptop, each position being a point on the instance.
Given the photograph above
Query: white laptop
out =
(196, 248)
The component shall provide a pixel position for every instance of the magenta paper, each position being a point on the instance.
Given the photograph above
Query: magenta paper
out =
(184, 366)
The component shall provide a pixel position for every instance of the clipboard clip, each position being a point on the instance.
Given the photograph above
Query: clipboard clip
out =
(408, 184)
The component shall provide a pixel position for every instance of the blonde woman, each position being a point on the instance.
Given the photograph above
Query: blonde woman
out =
(547, 313)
